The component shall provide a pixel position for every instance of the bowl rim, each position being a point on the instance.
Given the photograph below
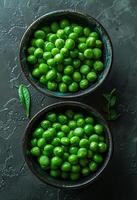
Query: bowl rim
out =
(106, 160)
(69, 95)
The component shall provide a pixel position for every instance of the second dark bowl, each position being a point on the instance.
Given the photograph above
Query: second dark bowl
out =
(43, 175)
(80, 18)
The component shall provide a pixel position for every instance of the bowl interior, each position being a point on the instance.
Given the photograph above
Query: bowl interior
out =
(81, 19)
(34, 166)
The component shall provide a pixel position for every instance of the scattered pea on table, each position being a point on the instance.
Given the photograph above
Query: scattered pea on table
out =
(65, 56)
(69, 145)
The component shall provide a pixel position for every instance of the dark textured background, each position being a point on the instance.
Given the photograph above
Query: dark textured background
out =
(119, 182)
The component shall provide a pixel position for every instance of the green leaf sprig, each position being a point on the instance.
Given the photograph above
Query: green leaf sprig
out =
(110, 106)
(24, 96)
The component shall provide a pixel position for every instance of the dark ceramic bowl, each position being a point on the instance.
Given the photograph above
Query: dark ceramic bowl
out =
(82, 19)
(43, 175)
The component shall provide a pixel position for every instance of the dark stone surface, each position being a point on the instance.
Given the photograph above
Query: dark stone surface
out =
(119, 182)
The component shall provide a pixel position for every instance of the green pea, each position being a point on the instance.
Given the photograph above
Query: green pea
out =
(58, 58)
(34, 142)
(68, 30)
(91, 76)
(81, 56)
(64, 23)
(84, 143)
(56, 161)
(73, 150)
(83, 162)
(31, 50)
(85, 171)
(69, 114)
(45, 124)
(41, 60)
(75, 168)
(65, 141)
(76, 63)
(44, 161)
(88, 62)
(55, 51)
(93, 166)
(73, 36)
(38, 132)
(35, 151)
(102, 147)
(98, 129)
(69, 44)
(65, 128)
(67, 79)
(80, 122)
(54, 27)
(32, 59)
(39, 34)
(94, 34)
(71, 134)
(98, 66)
(98, 158)
(82, 47)
(48, 36)
(90, 41)
(89, 120)
(97, 53)
(47, 55)
(66, 167)
(98, 43)
(58, 151)
(84, 69)
(78, 116)
(82, 39)
(33, 42)
(51, 117)
(59, 43)
(67, 61)
(74, 176)
(48, 150)
(78, 30)
(86, 31)
(64, 51)
(82, 152)
(83, 84)
(62, 87)
(74, 53)
(49, 46)
(36, 72)
(62, 119)
(73, 87)
(57, 126)
(68, 70)
(51, 75)
(94, 146)
(43, 80)
(76, 76)
(74, 141)
(39, 43)
(89, 129)
(52, 38)
(73, 159)
(46, 29)
(79, 132)
(72, 124)
(43, 68)
(88, 53)
(56, 141)
(61, 33)
(41, 142)
(48, 135)
(94, 138)
(52, 86)
(38, 52)
(55, 173)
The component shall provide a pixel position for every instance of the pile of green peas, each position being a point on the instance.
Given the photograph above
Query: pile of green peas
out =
(65, 56)
(69, 145)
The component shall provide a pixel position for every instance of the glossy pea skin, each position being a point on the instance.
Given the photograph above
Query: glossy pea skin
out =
(77, 76)
(66, 167)
(98, 129)
(83, 84)
(62, 87)
(38, 132)
(69, 44)
(48, 150)
(44, 161)
(73, 159)
(31, 50)
(39, 34)
(35, 151)
(73, 87)
(32, 59)
(98, 66)
(43, 80)
(52, 86)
